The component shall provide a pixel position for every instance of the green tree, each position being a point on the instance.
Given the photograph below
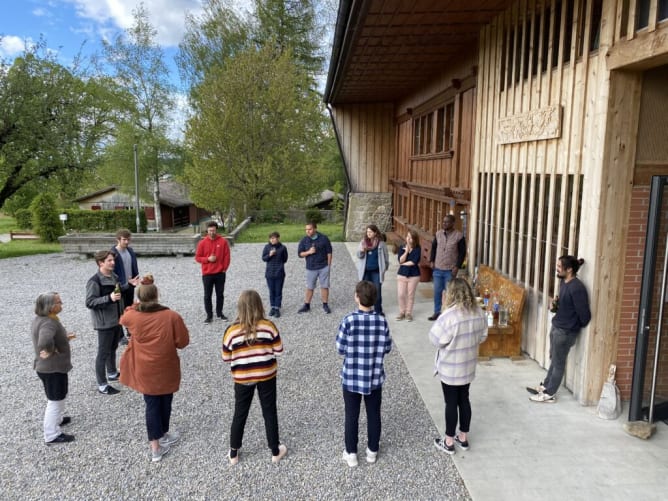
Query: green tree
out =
(210, 39)
(51, 124)
(254, 141)
(45, 219)
(290, 25)
(140, 71)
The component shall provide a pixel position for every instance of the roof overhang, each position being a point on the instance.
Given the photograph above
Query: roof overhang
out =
(385, 49)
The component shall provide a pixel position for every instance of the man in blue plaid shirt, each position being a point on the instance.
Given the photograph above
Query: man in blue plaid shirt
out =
(363, 339)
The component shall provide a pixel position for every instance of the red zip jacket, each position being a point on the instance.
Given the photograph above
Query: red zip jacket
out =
(217, 246)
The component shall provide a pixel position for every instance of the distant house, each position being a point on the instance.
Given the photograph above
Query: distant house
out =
(176, 208)
(327, 200)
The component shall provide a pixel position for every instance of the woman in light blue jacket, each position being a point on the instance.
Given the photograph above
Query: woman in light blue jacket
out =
(372, 263)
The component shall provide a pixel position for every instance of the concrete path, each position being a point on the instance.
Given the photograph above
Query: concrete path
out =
(521, 450)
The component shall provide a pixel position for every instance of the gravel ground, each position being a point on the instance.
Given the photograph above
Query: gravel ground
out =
(110, 458)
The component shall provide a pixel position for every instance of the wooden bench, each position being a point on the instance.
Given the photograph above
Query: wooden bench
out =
(22, 235)
(503, 341)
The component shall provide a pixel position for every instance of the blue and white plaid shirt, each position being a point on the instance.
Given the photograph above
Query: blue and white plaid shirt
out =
(363, 339)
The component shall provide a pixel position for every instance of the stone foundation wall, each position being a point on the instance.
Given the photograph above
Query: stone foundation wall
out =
(368, 208)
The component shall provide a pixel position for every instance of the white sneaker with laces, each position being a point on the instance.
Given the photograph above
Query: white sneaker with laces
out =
(543, 398)
(169, 438)
(350, 458)
(371, 456)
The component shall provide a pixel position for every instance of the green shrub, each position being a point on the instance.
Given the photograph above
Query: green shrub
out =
(104, 220)
(23, 219)
(314, 215)
(45, 220)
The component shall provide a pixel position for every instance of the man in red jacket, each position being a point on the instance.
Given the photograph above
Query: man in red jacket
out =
(213, 253)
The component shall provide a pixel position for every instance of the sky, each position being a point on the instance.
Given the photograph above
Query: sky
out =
(70, 27)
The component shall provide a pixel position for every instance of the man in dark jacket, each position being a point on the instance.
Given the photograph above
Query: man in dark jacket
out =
(126, 269)
(572, 314)
(104, 301)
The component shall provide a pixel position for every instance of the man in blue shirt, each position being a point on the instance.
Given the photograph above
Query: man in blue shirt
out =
(316, 249)
(363, 340)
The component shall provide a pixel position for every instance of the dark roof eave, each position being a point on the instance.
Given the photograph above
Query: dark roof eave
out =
(345, 7)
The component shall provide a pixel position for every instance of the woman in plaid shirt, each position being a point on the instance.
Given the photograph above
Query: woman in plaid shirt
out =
(363, 339)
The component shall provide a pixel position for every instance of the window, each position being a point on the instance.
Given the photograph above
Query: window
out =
(433, 132)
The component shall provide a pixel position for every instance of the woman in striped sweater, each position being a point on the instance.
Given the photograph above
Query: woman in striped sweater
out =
(250, 345)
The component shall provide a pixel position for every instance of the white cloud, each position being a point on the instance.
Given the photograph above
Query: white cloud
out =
(11, 45)
(166, 16)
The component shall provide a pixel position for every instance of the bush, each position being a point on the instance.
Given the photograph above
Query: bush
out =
(104, 220)
(45, 220)
(314, 215)
(23, 219)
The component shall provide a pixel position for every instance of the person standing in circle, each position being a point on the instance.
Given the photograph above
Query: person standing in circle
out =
(408, 276)
(372, 263)
(250, 346)
(151, 365)
(316, 249)
(126, 269)
(275, 254)
(456, 334)
(52, 362)
(213, 253)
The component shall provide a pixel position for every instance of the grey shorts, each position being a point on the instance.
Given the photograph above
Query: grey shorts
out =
(322, 275)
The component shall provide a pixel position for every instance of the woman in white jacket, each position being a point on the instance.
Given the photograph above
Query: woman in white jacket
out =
(372, 263)
(457, 333)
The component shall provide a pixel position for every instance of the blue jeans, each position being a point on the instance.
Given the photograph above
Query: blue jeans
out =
(158, 413)
(561, 341)
(372, 402)
(373, 276)
(441, 280)
(275, 286)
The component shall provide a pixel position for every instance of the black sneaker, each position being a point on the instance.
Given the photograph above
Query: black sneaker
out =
(440, 444)
(208, 320)
(326, 309)
(305, 308)
(222, 317)
(272, 312)
(463, 445)
(277, 312)
(114, 377)
(433, 317)
(63, 438)
(108, 390)
(66, 420)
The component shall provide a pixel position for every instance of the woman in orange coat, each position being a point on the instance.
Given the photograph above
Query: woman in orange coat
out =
(151, 365)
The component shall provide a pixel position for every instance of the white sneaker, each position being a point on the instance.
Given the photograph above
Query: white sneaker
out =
(371, 456)
(543, 398)
(169, 438)
(157, 455)
(350, 458)
(282, 451)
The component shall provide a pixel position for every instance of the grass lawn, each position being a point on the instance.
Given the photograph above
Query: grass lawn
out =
(18, 248)
(7, 224)
(290, 232)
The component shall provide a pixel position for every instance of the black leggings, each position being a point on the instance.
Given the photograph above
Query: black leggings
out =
(456, 404)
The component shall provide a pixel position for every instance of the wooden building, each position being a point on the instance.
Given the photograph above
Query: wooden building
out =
(544, 123)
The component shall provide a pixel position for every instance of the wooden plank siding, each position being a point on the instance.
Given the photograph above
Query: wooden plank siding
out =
(534, 200)
(368, 144)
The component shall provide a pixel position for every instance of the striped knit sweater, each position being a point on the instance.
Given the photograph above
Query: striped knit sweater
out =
(252, 363)
(457, 334)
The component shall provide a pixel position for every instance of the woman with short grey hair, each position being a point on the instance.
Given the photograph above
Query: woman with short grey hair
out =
(52, 363)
